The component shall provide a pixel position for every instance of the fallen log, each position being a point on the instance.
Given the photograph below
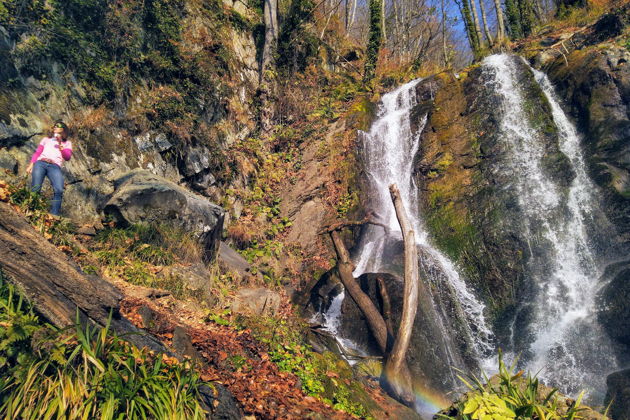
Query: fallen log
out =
(56, 286)
(397, 376)
(397, 373)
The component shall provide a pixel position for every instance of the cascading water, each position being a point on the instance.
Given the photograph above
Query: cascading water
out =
(388, 153)
(568, 345)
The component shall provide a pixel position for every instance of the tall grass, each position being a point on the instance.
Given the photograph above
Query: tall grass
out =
(85, 373)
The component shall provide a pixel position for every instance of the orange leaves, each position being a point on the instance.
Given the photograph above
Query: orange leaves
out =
(5, 193)
(241, 363)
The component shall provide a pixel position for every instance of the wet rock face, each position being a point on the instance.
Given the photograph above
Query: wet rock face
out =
(614, 303)
(469, 199)
(141, 196)
(619, 395)
(596, 87)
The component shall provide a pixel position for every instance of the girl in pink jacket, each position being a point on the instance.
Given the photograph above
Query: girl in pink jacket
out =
(47, 162)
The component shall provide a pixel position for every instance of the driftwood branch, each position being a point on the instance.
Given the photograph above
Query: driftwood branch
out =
(371, 312)
(395, 369)
(397, 374)
(369, 219)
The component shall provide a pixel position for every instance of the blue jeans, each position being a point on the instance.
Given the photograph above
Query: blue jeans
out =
(53, 172)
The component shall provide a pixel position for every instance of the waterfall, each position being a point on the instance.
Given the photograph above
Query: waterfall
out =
(388, 153)
(567, 346)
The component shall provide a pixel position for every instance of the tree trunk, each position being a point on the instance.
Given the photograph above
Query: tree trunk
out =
(514, 19)
(55, 285)
(484, 20)
(383, 28)
(354, 12)
(447, 60)
(473, 7)
(464, 9)
(500, 22)
(270, 13)
(265, 89)
(528, 20)
(374, 41)
(399, 377)
(373, 316)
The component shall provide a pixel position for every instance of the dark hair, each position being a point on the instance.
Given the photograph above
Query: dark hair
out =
(61, 124)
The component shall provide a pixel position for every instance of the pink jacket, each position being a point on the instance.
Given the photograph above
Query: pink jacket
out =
(48, 150)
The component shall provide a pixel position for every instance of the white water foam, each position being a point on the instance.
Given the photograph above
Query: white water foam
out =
(389, 150)
(569, 348)
(332, 322)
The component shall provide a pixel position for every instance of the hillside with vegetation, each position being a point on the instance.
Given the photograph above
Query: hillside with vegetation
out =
(219, 198)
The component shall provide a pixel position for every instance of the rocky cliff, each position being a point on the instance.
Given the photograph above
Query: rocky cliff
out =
(161, 86)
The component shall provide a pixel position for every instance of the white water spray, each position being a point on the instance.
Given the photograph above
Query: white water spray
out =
(389, 150)
(569, 347)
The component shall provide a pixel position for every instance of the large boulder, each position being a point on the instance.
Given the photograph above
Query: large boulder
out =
(614, 311)
(142, 197)
(618, 395)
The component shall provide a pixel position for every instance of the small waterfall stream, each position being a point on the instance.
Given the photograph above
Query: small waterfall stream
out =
(568, 346)
(389, 150)
(388, 153)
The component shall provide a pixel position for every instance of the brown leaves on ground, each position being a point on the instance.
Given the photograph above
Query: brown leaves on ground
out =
(240, 362)
(5, 193)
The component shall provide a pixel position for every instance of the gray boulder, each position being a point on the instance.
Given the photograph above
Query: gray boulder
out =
(258, 301)
(619, 394)
(232, 261)
(142, 197)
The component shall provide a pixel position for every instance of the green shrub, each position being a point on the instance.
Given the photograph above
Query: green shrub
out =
(510, 395)
(18, 323)
(34, 206)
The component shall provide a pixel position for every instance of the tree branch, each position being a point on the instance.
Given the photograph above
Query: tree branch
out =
(399, 377)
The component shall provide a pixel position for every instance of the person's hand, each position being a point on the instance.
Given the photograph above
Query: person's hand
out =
(29, 168)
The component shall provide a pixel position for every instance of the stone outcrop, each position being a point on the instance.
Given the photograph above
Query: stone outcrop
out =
(619, 395)
(259, 301)
(142, 197)
(143, 125)
(468, 199)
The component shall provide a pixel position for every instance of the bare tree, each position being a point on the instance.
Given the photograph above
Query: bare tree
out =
(473, 9)
(396, 371)
(414, 29)
(500, 22)
(397, 374)
(484, 20)
(447, 60)
(270, 13)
